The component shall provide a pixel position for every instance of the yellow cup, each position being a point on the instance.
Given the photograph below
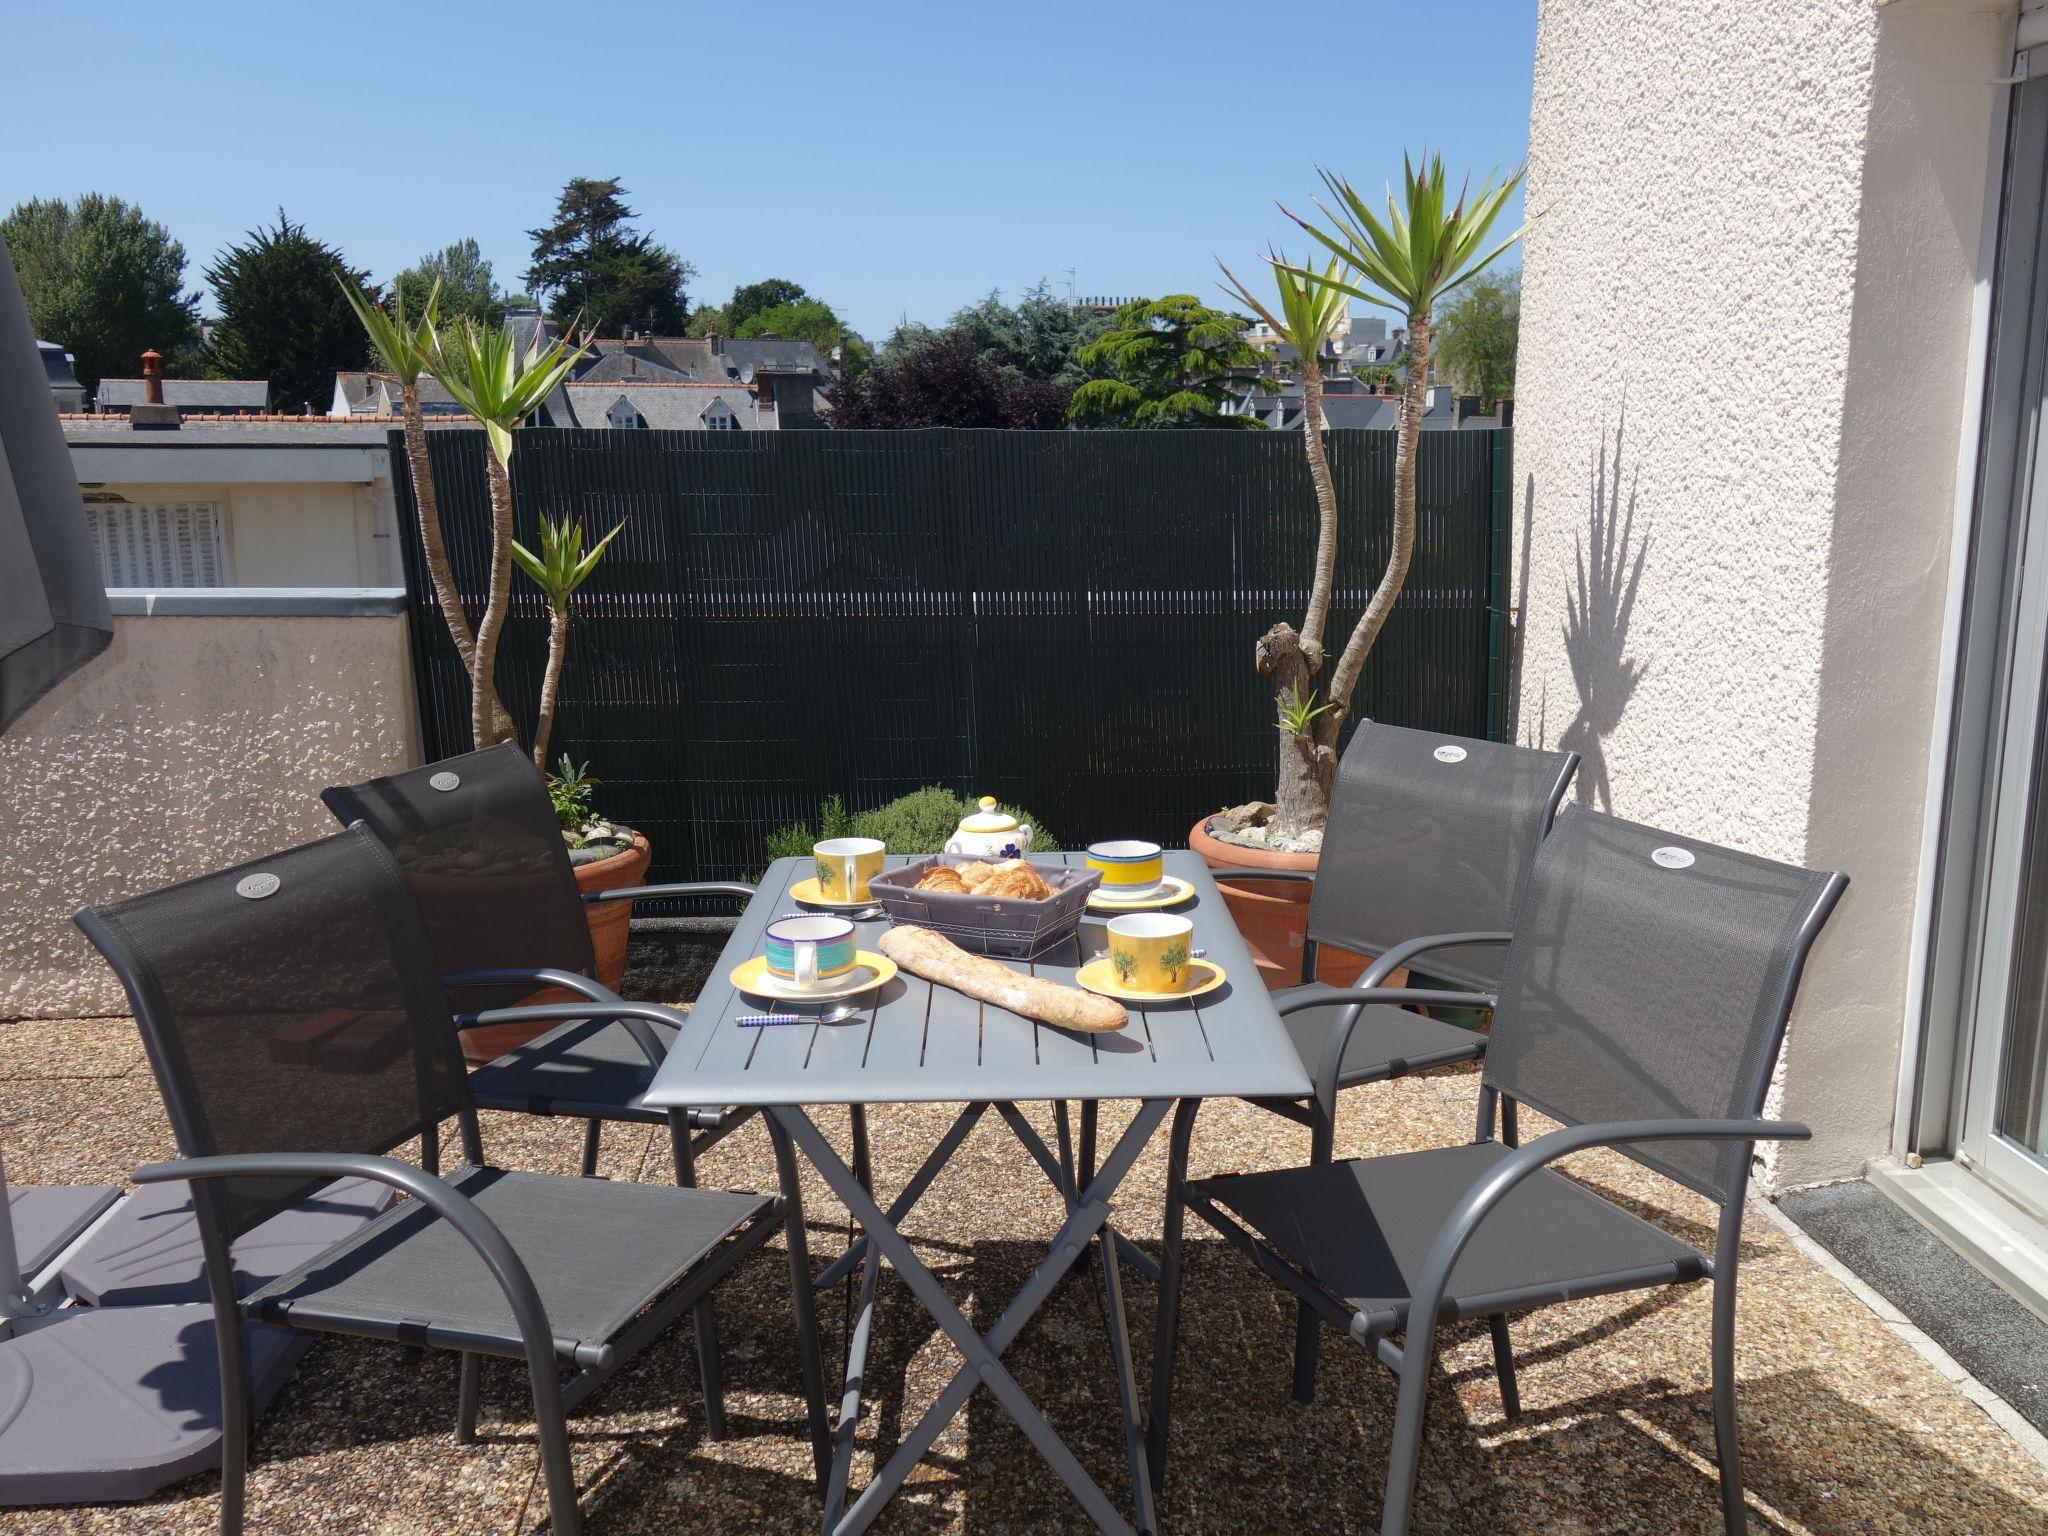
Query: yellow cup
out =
(846, 865)
(1150, 951)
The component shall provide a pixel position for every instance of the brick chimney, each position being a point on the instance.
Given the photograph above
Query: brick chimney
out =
(717, 346)
(764, 390)
(153, 414)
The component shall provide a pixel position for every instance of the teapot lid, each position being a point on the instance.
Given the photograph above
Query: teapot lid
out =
(988, 818)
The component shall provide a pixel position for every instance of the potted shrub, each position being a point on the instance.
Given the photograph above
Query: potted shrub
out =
(605, 857)
(1405, 263)
(501, 387)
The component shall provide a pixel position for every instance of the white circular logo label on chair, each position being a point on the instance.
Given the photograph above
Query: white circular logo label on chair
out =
(1672, 858)
(445, 781)
(256, 887)
(1450, 754)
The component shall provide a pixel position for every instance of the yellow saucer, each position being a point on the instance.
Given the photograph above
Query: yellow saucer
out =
(806, 891)
(1176, 891)
(869, 971)
(1096, 976)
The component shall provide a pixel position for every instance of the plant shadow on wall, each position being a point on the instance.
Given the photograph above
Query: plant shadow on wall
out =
(1607, 572)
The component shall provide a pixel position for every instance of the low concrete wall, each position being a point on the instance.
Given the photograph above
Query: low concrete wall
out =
(201, 737)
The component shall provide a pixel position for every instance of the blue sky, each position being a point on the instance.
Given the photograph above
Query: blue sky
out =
(893, 158)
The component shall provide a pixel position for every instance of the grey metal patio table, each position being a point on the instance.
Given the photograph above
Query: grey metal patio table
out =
(916, 1042)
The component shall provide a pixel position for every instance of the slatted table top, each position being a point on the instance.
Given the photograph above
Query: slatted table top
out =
(917, 1042)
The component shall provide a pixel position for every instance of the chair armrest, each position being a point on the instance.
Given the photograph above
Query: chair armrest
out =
(543, 1349)
(1399, 955)
(685, 888)
(1299, 876)
(1492, 1187)
(1322, 994)
(633, 1016)
(540, 976)
(1359, 998)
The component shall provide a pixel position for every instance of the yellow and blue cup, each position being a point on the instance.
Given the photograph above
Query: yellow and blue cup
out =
(1151, 951)
(809, 951)
(1131, 870)
(846, 865)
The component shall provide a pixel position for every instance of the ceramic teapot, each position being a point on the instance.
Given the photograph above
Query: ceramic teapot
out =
(990, 834)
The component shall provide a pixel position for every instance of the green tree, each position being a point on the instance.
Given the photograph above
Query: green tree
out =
(1406, 262)
(282, 316)
(1306, 314)
(467, 284)
(103, 281)
(501, 387)
(591, 262)
(1168, 364)
(749, 299)
(1475, 339)
(809, 320)
(709, 320)
(941, 379)
(1040, 337)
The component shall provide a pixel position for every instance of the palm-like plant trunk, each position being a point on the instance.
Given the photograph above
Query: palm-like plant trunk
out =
(439, 571)
(1414, 396)
(1301, 798)
(484, 659)
(551, 683)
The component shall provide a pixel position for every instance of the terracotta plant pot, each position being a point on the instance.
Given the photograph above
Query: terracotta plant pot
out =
(610, 924)
(1272, 915)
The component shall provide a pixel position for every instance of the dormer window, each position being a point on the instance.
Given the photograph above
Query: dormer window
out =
(624, 416)
(718, 417)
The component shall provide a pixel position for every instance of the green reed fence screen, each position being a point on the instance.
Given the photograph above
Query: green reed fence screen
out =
(1064, 619)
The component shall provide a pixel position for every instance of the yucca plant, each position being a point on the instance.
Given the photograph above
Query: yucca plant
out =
(1308, 310)
(491, 378)
(1405, 262)
(558, 570)
(402, 346)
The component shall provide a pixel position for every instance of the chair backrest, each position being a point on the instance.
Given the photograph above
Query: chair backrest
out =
(477, 837)
(288, 1005)
(1650, 978)
(1432, 834)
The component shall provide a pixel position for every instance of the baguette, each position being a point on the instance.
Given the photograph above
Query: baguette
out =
(937, 958)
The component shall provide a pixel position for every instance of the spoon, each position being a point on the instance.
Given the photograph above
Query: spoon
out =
(838, 1013)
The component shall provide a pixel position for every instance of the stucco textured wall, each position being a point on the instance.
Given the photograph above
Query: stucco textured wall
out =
(1745, 320)
(191, 743)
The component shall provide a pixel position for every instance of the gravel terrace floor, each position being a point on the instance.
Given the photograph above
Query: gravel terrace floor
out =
(1845, 1429)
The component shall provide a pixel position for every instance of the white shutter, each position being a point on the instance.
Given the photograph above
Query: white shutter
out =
(158, 545)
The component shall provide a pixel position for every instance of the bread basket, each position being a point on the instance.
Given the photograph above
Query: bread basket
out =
(989, 925)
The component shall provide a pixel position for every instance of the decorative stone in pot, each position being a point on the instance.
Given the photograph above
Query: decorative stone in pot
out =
(1272, 915)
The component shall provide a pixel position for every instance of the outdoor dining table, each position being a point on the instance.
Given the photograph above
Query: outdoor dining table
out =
(913, 1041)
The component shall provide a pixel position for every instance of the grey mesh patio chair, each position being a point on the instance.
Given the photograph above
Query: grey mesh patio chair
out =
(479, 842)
(298, 1031)
(1428, 841)
(1641, 1004)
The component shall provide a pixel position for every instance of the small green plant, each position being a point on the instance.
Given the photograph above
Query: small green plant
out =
(1298, 712)
(569, 789)
(558, 570)
(919, 822)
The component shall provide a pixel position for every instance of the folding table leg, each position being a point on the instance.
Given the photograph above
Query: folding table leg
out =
(982, 1352)
(913, 1192)
(1055, 1168)
(1167, 1328)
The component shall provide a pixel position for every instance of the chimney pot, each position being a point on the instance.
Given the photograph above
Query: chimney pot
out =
(153, 377)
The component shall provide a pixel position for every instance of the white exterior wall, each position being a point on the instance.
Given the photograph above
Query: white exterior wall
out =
(1760, 231)
(293, 517)
(296, 535)
(189, 744)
